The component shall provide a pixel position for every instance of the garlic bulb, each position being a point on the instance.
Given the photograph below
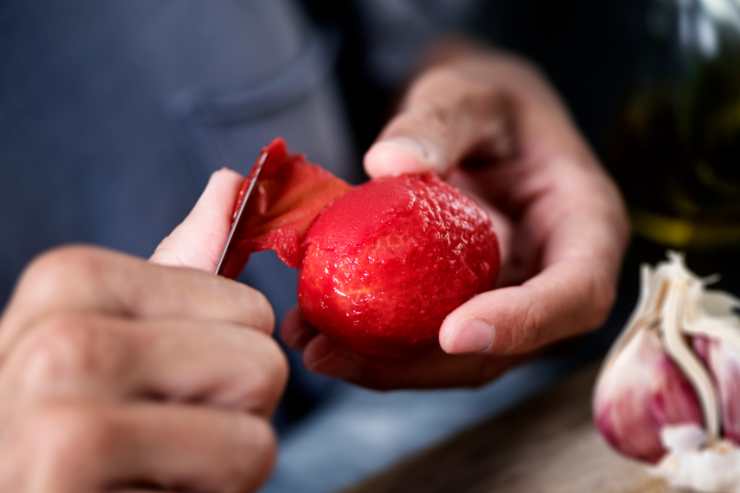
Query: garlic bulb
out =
(676, 366)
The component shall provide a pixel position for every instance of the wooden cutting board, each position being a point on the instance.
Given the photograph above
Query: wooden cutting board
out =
(546, 445)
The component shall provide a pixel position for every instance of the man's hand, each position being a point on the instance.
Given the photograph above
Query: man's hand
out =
(119, 374)
(492, 125)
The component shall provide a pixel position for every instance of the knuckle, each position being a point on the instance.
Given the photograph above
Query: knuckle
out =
(62, 346)
(56, 265)
(447, 102)
(532, 328)
(68, 437)
(258, 311)
(57, 270)
(437, 118)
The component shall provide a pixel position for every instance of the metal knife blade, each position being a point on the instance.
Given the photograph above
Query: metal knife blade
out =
(231, 262)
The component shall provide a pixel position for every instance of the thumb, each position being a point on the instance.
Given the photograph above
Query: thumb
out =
(445, 118)
(197, 242)
(568, 298)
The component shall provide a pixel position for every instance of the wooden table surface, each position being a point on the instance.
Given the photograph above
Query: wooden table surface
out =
(546, 445)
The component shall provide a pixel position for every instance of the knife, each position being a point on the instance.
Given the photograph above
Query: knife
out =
(231, 262)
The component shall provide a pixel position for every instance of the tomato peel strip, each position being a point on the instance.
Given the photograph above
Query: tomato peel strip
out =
(289, 194)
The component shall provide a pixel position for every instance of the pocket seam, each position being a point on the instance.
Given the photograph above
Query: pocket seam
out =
(293, 83)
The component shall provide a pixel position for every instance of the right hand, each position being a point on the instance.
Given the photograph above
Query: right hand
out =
(118, 374)
(560, 220)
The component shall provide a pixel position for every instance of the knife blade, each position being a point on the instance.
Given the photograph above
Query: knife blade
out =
(231, 262)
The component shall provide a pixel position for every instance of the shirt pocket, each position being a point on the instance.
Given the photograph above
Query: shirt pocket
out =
(299, 102)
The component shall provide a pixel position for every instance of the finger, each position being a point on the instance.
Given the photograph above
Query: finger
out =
(295, 332)
(104, 358)
(564, 300)
(221, 365)
(197, 242)
(176, 448)
(78, 279)
(446, 117)
(192, 448)
(427, 369)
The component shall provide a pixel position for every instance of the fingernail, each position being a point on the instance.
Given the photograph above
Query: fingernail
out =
(475, 336)
(398, 155)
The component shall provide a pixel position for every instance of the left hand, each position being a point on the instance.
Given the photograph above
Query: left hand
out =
(560, 220)
(118, 374)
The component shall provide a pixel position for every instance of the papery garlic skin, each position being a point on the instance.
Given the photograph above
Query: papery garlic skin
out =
(692, 463)
(639, 393)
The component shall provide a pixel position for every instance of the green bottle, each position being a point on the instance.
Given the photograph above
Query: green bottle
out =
(675, 147)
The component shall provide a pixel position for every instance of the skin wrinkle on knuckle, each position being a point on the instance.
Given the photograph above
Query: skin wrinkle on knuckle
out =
(438, 118)
(62, 349)
(532, 330)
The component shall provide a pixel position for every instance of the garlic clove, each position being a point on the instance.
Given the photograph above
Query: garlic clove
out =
(640, 392)
(716, 329)
(723, 361)
(673, 318)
